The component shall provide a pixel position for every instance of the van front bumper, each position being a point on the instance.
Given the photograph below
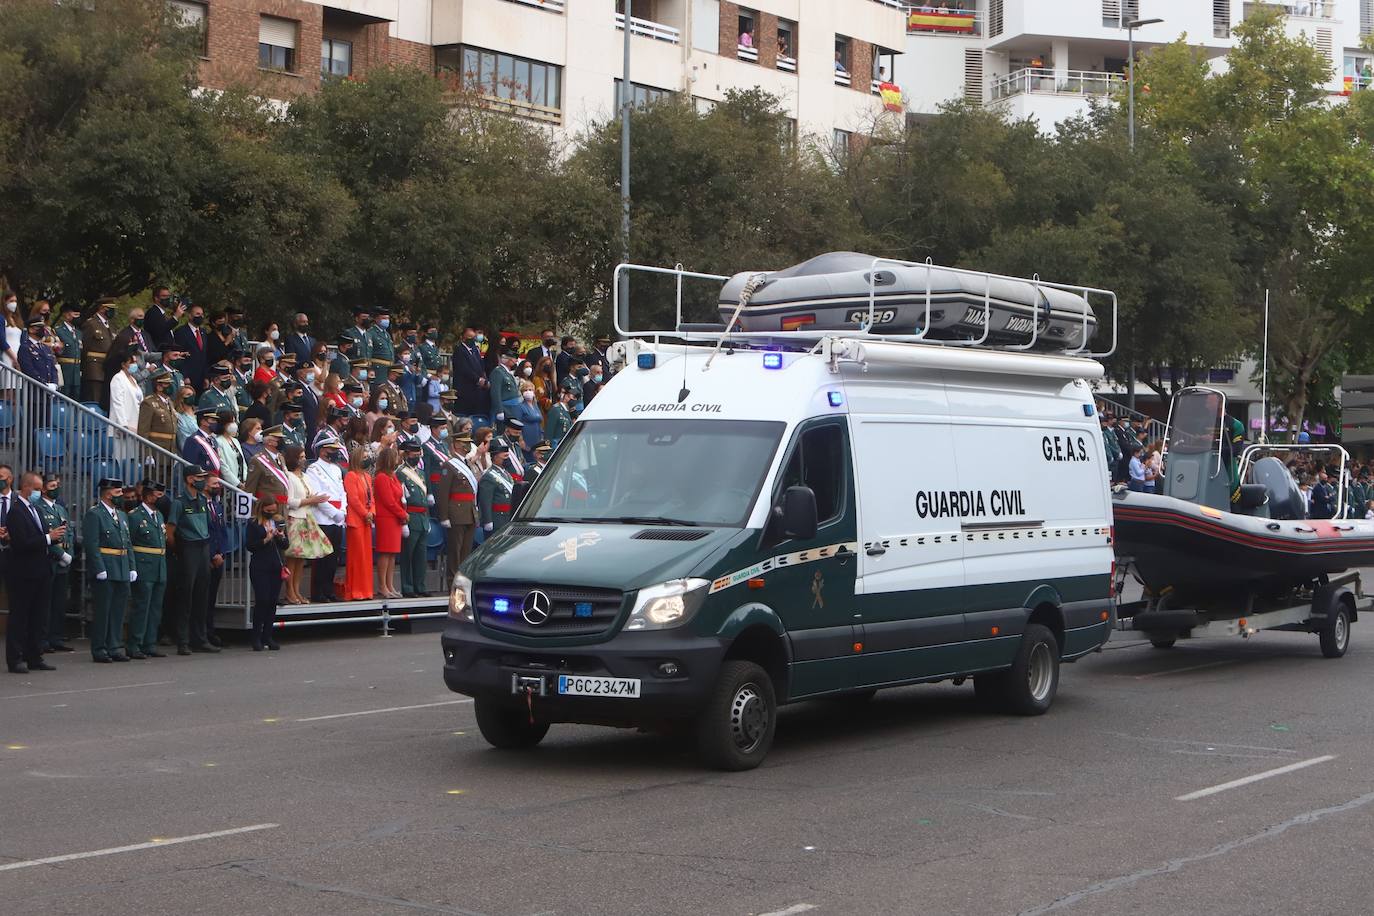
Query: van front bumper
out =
(479, 666)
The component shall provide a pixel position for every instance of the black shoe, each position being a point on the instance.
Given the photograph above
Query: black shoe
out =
(181, 650)
(273, 645)
(204, 647)
(408, 595)
(214, 641)
(101, 659)
(119, 658)
(40, 665)
(20, 668)
(153, 653)
(137, 656)
(257, 647)
(164, 641)
(59, 647)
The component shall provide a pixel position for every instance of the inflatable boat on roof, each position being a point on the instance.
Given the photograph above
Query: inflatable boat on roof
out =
(841, 290)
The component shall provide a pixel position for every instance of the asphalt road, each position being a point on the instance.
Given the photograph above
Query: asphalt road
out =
(357, 784)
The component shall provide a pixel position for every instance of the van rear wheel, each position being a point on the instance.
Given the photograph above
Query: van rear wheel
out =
(1029, 686)
(735, 729)
(508, 727)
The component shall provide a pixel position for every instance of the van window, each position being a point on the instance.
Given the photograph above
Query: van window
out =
(819, 463)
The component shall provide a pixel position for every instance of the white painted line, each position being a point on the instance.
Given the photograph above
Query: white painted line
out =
(62, 693)
(1229, 661)
(373, 712)
(792, 910)
(1245, 781)
(151, 844)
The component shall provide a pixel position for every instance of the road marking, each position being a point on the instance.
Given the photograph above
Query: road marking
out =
(792, 910)
(1245, 781)
(373, 712)
(1209, 744)
(151, 844)
(1229, 661)
(1176, 865)
(62, 693)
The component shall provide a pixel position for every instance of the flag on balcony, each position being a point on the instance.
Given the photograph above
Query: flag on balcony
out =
(891, 95)
(928, 20)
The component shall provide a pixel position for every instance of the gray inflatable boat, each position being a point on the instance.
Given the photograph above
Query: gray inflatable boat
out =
(830, 292)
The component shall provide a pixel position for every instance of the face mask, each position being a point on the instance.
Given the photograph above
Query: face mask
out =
(382, 404)
(412, 429)
(257, 437)
(414, 461)
(364, 322)
(362, 375)
(197, 320)
(548, 343)
(310, 378)
(410, 339)
(597, 378)
(4, 486)
(232, 429)
(195, 484)
(53, 492)
(275, 334)
(35, 497)
(245, 368)
(226, 384)
(383, 323)
(11, 306)
(213, 427)
(137, 322)
(527, 372)
(481, 338)
(528, 395)
(443, 380)
(443, 433)
(303, 328)
(581, 373)
(356, 402)
(269, 361)
(389, 431)
(165, 301)
(431, 336)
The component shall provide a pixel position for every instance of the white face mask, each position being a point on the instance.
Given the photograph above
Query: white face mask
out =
(231, 430)
(528, 395)
(310, 378)
(527, 372)
(362, 375)
(389, 431)
(11, 306)
(275, 334)
(357, 402)
(257, 436)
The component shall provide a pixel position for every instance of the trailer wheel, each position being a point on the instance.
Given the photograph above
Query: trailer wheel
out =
(506, 726)
(735, 730)
(1335, 635)
(1161, 641)
(1028, 688)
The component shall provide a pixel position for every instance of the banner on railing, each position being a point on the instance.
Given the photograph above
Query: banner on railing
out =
(934, 20)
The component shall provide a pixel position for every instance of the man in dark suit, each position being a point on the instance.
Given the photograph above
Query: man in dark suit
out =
(131, 339)
(162, 318)
(192, 338)
(470, 376)
(546, 348)
(567, 355)
(30, 578)
(309, 398)
(299, 340)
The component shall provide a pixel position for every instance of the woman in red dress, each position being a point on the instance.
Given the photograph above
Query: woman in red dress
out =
(358, 527)
(391, 516)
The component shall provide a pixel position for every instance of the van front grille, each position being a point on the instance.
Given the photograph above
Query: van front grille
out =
(573, 611)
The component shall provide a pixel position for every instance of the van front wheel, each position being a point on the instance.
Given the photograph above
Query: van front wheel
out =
(1028, 688)
(735, 730)
(506, 726)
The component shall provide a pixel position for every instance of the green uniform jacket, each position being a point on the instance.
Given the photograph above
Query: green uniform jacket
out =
(504, 389)
(1111, 445)
(362, 342)
(241, 395)
(146, 531)
(340, 367)
(101, 532)
(495, 489)
(382, 352)
(293, 435)
(222, 401)
(190, 515)
(436, 456)
(177, 380)
(70, 360)
(429, 355)
(560, 421)
(417, 497)
(55, 514)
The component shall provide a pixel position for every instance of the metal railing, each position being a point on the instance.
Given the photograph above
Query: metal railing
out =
(1039, 80)
(1301, 9)
(553, 6)
(1157, 429)
(930, 20)
(745, 52)
(646, 28)
(841, 79)
(787, 63)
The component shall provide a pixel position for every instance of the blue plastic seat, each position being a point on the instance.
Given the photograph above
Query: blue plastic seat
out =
(94, 443)
(479, 420)
(102, 468)
(61, 415)
(6, 416)
(94, 407)
(52, 446)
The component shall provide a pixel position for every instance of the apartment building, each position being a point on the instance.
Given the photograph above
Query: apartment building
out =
(1048, 60)
(559, 62)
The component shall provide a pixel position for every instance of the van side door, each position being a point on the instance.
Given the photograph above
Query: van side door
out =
(810, 583)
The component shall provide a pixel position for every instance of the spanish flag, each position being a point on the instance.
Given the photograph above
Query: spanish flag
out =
(891, 95)
(940, 21)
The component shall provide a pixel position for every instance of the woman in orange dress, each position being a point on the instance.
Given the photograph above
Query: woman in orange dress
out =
(391, 517)
(358, 527)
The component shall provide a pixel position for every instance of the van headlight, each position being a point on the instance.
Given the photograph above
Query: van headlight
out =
(460, 599)
(668, 605)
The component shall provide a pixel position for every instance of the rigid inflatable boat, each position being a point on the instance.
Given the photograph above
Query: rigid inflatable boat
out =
(1230, 522)
(831, 292)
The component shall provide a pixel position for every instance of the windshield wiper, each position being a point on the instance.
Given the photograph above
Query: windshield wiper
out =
(655, 520)
(556, 519)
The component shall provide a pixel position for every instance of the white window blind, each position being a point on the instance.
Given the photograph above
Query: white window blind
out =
(192, 14)
(280, 33)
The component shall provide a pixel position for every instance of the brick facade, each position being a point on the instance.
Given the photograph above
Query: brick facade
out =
(766, 39)
(729, 29)
(860, 66)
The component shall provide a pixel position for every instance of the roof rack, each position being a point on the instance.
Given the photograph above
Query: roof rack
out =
(721, 333)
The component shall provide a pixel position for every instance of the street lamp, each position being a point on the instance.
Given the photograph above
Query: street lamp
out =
(1131, 26)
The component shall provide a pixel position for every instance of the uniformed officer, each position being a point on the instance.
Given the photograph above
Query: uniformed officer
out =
(36, 358)
(336, 422)
(105, 538)
(428, 348)
(170, 357)
(358, 334)
(436, 455)
(242, 362)
(157, 421)
(96, 338)
(188, 530)
(357, 398)
(233, 317)
(496, 489)
(293, 424)
(457, 502)
(560, 415)
(219, 394)
(505, 392)
(514, 463)
(70, 360)
(414, 545)
(267, 471)
(542, 449)
(600, 353)
(60, 554)
(381, 351)
(339, 364)
(148, 535)
(390, 391)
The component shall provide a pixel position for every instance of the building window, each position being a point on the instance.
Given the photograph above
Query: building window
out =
(640, 95)
(842, 59)
(748, 48)
(787, 45)
(839, 145)
(336, 58)
(193, 16)
(522, 86)
(277, 43)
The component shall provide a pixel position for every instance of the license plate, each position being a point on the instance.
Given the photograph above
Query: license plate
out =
(576, 686)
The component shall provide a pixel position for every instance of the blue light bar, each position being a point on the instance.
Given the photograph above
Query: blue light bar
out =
(647, 360)
(582, 609)
(501, 605)
(836, 399)
(772, 360)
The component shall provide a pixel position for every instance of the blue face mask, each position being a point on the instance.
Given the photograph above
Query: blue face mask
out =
(383, 323)
(382, 404)
(36, 497)
(443, 433)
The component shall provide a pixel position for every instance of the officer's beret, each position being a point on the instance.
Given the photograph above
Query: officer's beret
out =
(448, 396)
(158, 373)
(514, 423)
(293, 406)
(360, 361)
(499, 445)
(439, 418)
(70, 308)
(361, 310)
(273, 431)
(396, 367)
(221, 369)
(352, 386)
(463, 437)
(381, 310)
(344, 339)
(336, 412)
(543, 445)
(37, 321)
(110, 483)
(195, 470)
(150, 484)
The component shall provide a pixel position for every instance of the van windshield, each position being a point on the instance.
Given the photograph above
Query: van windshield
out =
(660, 471)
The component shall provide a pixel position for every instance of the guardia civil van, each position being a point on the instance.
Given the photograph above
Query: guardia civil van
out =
(742, 520)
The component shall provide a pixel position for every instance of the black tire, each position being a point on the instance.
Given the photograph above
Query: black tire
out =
(1160, 641)
(1335, 636)
(508, 727)
(735, 729)
(1029, 686)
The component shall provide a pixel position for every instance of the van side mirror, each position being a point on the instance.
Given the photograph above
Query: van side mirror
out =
(799, 521)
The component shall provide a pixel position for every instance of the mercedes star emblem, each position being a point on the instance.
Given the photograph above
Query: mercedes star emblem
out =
(537, 608)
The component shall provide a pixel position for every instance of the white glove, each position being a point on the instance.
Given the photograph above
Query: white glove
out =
(52, 386)
(148, 460)
(488, 526)
(66, 559)
(446, 524)
(405, 531)
(102, 576)
(431, 499)
(500, 416)
(133, 575)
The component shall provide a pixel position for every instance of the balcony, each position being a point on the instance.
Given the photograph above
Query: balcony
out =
(648, 29)
(1038, 81)
(1300, 9)
(841, 78)
(553, 6)
(744, 52)
(929, 20)
(787, 63)
(1356, 83)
